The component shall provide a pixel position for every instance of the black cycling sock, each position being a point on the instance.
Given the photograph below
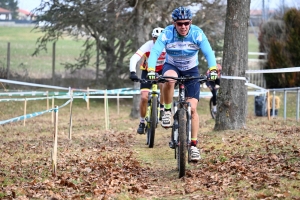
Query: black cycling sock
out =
(161, 106)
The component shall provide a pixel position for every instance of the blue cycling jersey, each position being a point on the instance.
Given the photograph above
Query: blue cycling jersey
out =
(182, 51)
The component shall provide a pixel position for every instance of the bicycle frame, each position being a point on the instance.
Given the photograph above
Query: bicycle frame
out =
(152, 114)
(152, 94)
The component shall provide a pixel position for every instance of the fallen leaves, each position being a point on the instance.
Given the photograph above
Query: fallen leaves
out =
(243, 164)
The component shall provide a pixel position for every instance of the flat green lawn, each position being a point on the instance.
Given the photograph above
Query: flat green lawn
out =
(22, 45)
(252, 45)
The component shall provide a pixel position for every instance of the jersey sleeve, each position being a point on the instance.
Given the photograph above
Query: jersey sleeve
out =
(155, 52)
(138, 54)
(206, 49)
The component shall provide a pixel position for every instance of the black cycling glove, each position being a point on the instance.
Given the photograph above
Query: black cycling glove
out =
(133, 76)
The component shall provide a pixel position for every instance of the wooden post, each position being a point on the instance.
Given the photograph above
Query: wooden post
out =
(71, 104)
(107, 113)
(53, 63)
(105, 110)
(25, 108)
(297, 107)
(88, 99)
(118, 103)
(47, 100)
(8, 60)
(52, 118)
(54, 152)
(268, 105)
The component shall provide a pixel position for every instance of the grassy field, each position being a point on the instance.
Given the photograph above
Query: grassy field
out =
(22, 45)
(259, 162)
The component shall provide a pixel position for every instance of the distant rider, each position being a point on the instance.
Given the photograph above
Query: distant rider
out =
(143, 53)
(212, 85)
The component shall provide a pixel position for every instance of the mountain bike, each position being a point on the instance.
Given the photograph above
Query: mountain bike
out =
(153, 113)
(182, 125)
(213, 114)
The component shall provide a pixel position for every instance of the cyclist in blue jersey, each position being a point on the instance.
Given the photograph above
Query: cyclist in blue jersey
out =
(182, 41)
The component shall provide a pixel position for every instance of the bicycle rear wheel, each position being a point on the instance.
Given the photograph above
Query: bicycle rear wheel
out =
(153, 122)
(213, 114)
(182, 142)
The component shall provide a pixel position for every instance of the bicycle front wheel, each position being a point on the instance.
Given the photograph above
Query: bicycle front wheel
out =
(182, 142)
(153, 122)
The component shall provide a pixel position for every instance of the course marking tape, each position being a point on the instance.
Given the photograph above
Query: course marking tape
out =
(32, 114)
(32, 84)
(281, 70)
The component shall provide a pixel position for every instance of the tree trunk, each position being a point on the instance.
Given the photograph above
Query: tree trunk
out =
(232, 97)
(143, 34)
(97, 61)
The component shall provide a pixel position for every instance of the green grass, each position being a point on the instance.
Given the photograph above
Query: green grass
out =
(22, 45)
(252, 45)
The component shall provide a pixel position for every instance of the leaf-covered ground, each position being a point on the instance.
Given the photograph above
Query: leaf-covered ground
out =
(261, 161)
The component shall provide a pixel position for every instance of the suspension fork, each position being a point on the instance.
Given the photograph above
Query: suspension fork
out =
(148, 108)
(189, 121)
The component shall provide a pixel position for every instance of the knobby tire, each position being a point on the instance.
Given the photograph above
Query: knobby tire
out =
(182, 139)
(153, 120)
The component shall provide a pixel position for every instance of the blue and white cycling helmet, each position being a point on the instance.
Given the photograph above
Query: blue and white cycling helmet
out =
(181, 13)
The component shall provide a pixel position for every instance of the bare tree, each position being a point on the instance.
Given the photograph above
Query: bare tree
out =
(232, 97)
(100, 23)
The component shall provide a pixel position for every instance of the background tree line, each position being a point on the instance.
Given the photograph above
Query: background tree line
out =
(280, 39)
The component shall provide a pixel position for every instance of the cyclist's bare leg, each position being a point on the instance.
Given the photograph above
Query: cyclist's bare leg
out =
(143, 111)
(144, 103)
(161, 98)
(195, 117)
(168, 88)
(195, 153)
(161, 101)
(168, 92)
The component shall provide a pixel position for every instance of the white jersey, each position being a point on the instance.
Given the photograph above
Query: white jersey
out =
(144, 50)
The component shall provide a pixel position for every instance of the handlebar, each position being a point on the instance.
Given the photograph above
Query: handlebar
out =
(182, 79)
(147, 80)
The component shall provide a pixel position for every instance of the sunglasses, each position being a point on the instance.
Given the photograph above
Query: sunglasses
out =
(183, 23)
